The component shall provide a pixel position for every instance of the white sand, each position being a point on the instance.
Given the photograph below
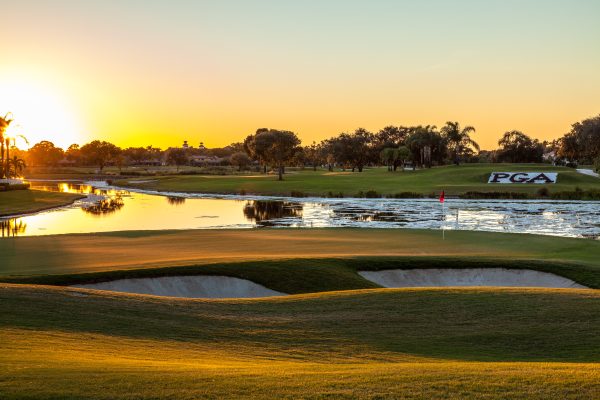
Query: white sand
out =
(197, 286)
(589, 172)
(397, 278)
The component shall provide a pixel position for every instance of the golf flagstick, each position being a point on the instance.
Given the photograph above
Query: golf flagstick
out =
(442, 199)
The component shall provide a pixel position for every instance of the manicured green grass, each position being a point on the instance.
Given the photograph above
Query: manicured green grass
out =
(373, 344)
(84, 253)
(300, 276)
(28, 201)
(454, 180)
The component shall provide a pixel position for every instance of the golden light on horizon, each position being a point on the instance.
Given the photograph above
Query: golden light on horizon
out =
(39, 112)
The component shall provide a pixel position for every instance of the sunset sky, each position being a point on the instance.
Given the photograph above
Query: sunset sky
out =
(158, 72)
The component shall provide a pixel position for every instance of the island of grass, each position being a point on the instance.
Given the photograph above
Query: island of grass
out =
(16, 202)
(468, 180)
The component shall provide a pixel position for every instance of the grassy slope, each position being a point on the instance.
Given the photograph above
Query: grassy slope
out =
(29, 201)
(454, 180)
(63, 254)
(311, 275)
(423, 343)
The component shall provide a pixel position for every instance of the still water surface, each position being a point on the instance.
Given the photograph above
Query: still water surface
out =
(108, 209)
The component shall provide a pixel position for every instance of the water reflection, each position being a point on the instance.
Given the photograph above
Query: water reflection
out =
(105, 206)
(124, 210)
(175, 200)
(271, 213)
(12, 227)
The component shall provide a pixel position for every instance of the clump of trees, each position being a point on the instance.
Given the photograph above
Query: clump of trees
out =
(421, 146)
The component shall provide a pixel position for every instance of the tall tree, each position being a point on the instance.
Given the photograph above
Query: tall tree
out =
(240, 159)
(99, 153)
(426, 144)
(45, 153)
(582, 143)
(4, 123)
(272, 147)
(515, 146)
(177, 156)
(458, 139)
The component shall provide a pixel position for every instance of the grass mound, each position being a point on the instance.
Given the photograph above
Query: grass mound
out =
(457, 343)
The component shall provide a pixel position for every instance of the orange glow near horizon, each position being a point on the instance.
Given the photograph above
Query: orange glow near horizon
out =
(157, 74)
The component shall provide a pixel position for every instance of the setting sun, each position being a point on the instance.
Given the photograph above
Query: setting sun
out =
(40, 112)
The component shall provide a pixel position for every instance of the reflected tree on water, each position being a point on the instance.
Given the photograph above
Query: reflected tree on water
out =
(263, 212)
(175, 200)
(12, 227)
(105, 206)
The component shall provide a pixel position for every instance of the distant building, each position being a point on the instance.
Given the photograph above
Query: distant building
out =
(201, 160)
(185, 145)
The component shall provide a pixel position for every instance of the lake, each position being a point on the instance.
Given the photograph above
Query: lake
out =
(108, 208)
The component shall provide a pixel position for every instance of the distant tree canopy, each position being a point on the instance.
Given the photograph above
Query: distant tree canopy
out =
(177, 157)
(99, 153)
(582, 143)
(272, 147)
(45, 154)
(517, 147)
(240, 160)
(393, 146)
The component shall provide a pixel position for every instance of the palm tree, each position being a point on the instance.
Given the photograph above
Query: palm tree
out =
(17, 165)
(4, 123)
(459, 138)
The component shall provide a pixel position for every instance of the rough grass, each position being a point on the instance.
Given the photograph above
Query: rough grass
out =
(373, 344)
(85, 253)
(454, 180)
(30, 201)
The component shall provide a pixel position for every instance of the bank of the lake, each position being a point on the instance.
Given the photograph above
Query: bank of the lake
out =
(16, 202)
(454, 180)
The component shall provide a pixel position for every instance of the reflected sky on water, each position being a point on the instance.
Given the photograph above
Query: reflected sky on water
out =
(109, 209)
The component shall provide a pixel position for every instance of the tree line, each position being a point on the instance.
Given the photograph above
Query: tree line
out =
(395, 147)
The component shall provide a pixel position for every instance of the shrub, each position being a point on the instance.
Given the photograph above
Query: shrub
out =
(407, 195)
(369, 194)
(297, 193)
(332, 195)
(543, 192)
(494, 195)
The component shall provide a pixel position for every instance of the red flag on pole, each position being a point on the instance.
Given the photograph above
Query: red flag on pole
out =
(442, 198)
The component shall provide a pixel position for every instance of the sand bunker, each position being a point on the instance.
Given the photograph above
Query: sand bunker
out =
(197, 286)
(397, 278)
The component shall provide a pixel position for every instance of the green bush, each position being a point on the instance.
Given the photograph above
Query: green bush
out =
(4, 187)
(494, 195)
(407, 195)
(369, 194)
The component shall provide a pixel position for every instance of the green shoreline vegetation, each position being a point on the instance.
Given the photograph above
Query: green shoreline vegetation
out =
(15, 202)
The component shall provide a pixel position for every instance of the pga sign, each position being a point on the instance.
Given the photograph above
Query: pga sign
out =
(523, 177)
